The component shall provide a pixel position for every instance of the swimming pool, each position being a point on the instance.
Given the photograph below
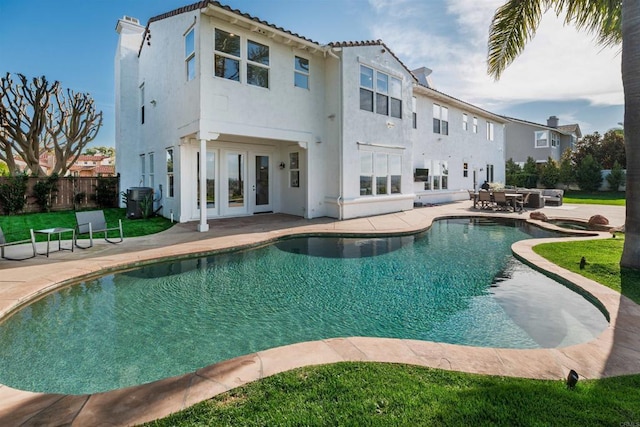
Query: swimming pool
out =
(455, 283)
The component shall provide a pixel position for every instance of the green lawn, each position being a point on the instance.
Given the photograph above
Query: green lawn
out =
(16, 227)
(616, 198)
(603, 262)
(379, 394)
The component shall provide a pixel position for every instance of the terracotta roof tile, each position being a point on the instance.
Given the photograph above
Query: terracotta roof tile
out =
(205, 3)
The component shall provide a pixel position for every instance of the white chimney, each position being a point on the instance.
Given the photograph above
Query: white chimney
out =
(422, 74)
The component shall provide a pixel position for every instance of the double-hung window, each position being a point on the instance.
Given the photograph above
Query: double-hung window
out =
(380, 173)
(440, 119)
(142, 103)
(542, 138)
(380, 92)
(489, 131)
(395, 97)
(228, 59)
(190, 54)
(143, 169)
(227, 55)
(438, 178)
(465, 121)
(301, 73)
(475, 125)
(414, 114)
(151, 171)
(555, 139)
(257, 64)
(366, 88)
(170, 190)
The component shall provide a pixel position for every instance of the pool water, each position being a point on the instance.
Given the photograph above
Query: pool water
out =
(456, 283)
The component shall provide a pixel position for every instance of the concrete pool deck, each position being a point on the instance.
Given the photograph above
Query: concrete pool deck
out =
(616, 351)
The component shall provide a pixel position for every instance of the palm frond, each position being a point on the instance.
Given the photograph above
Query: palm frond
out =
(600, 17)
(513, 25)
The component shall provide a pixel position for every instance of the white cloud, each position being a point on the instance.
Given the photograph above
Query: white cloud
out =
(558, 64)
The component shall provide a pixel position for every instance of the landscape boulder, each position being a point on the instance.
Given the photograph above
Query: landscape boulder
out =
(598, 220)
(538, 215)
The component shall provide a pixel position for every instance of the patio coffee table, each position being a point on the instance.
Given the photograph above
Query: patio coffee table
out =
(57, 230)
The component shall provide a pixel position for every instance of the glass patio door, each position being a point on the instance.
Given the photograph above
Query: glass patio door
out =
(210, 179)
(261, 184)
(236, 183)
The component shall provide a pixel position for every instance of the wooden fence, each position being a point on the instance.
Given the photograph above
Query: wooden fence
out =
(89, 192)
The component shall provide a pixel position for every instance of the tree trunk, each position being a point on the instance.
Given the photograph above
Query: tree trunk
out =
(631, 83)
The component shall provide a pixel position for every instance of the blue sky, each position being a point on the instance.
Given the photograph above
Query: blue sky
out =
(562, 72)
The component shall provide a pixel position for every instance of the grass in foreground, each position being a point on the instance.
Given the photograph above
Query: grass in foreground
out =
(378, 394)
(16, 227)
(616, 198)
(603, 263)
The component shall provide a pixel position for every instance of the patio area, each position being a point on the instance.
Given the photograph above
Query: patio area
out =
(615, 352)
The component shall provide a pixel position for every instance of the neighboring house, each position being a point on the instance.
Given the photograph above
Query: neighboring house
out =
(92, 166)
(525, 139)
(85, 165)
(218, 106)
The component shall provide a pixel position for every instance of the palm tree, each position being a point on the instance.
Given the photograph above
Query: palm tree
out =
(613, 22)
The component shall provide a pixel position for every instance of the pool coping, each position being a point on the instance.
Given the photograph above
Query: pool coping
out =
(615, 351)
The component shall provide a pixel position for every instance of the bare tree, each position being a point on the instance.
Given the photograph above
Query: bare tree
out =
(38, 117)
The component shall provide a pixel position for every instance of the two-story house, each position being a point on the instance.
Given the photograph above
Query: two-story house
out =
(525, 139)
(223, 114)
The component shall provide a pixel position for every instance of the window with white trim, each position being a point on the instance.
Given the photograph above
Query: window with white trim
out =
(143, 169)
(151, 173)
(190, 54)
(380, 173)
(301, 72)
(257, 64)
(380, 92)
(489, 173)
(440, 119)
(438, 175)
(541, 138)
(465, 121)
(142, 103)
(414, 114)
(465, 170)
(489, 131)
(475, 125)
(227, 55)
(170, 172)
(555, 139)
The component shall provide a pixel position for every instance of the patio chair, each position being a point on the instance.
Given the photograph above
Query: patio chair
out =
(484, 197)
(4, 244)
(89, 222)
(500, 199)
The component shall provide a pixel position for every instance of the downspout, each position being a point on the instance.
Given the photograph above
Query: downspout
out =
(339, 199)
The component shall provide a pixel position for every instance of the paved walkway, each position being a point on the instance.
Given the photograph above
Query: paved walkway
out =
(614, 352)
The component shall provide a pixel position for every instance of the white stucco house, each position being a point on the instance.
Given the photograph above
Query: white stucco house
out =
(219, 106)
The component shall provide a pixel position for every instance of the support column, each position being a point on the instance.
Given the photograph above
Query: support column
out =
(203, 225)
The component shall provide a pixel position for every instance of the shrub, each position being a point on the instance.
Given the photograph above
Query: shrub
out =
(549, 174)
(13, 193)
(616, 177)
(107, 192)
(589, 174)
(43, 190)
